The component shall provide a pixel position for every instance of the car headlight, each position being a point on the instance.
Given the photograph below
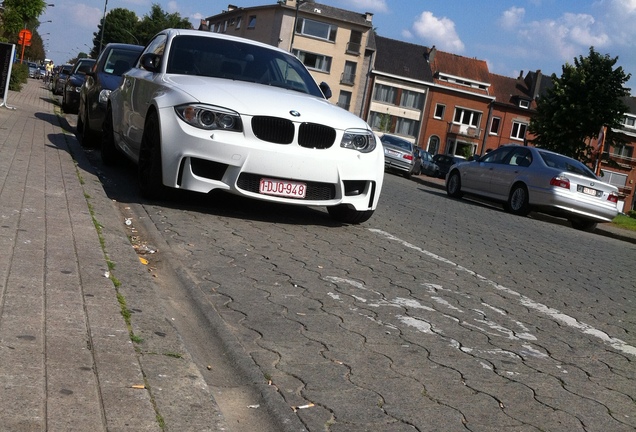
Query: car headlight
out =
(210, 117)
(103, 96)
(358, 139)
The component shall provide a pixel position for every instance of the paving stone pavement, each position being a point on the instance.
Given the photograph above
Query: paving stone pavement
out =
(66, 357)
(67, 362)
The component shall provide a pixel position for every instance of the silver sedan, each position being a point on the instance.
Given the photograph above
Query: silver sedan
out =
(529, 178)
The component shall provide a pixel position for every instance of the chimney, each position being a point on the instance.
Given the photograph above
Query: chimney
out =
(536, 85)
(429, 55)
(231, 7)
(368, 16)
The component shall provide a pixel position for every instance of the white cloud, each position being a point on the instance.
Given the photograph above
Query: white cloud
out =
(86, 16)
(511, 18)
(368, 5)
(439, 32)
(565, 37)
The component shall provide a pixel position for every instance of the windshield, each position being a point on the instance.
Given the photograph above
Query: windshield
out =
(235, 60)
(397, 142)
(565, 163)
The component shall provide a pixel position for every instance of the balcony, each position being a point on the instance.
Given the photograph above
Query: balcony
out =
(464, 130)
(353, 48)
(348, 79)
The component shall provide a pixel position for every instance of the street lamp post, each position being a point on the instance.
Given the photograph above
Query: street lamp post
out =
(101, 39)
(291, 45)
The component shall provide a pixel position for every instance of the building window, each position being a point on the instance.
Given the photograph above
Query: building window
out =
(615, 178)
(467, 117)
(439, 111)
(349, 74)
(224, 26)
(524, 103)
(405, 126)
(355, 41)
(622, 151)
(629, 122)
(411, 99)
(316, 29)
(380, 122)
(518, 130)
(433, 145)
(314, 61)
(239, 20)
(384, 93)
(252, 22)
(494, 126)
(344, 99)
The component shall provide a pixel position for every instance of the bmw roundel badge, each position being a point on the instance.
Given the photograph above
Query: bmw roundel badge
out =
(295, 113)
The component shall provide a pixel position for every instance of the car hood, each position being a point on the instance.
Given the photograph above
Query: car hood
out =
(251, 99)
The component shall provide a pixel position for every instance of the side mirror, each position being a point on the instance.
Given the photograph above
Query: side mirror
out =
(151, 62)
(326, 90)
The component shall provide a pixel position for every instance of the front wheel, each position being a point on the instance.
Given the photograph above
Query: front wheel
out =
(518, 202)
(454, 185)
(149, 170)
(344, 213)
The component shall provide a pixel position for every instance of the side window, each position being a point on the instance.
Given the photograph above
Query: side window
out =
(156, 46)
(520, 157)
(496, 156)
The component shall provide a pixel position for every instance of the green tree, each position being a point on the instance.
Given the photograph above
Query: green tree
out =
(159, 20)
(18, 14)
(586, 97)
(120, 28)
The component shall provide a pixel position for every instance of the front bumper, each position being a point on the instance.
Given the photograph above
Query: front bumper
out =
(201, 161)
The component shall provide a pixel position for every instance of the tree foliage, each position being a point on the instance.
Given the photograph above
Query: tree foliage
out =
(18, 14)
(120, 27)
(123, 26)
(158, 20)
(587, 96)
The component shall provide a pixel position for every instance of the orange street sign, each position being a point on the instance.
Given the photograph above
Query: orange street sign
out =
(24, 36)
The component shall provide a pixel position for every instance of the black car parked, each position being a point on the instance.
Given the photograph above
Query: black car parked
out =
(74, 82)
(444, 162)
(105, 76)
(59, 78)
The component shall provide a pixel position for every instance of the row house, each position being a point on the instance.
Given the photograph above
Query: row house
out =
(514, 104)
(332, 43)
(618, 163)
(457, 111)
(398, 87)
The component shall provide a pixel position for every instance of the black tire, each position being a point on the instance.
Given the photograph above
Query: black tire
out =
(518, 202)
(82, 134)
(454, 185)
(149, 170)
(108, 150)
(344, 213)
(65, 106)
(583, 225)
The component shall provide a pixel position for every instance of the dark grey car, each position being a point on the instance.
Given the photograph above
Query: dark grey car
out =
(105, 76)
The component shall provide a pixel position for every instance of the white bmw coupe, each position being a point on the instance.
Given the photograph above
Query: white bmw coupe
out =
(203, 111)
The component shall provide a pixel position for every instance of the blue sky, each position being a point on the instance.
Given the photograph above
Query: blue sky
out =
(511, 36)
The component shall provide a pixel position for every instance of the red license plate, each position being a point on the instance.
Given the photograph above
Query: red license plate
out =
(284, 188)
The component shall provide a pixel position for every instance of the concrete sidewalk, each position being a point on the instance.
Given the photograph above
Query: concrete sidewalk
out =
(67, 362)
